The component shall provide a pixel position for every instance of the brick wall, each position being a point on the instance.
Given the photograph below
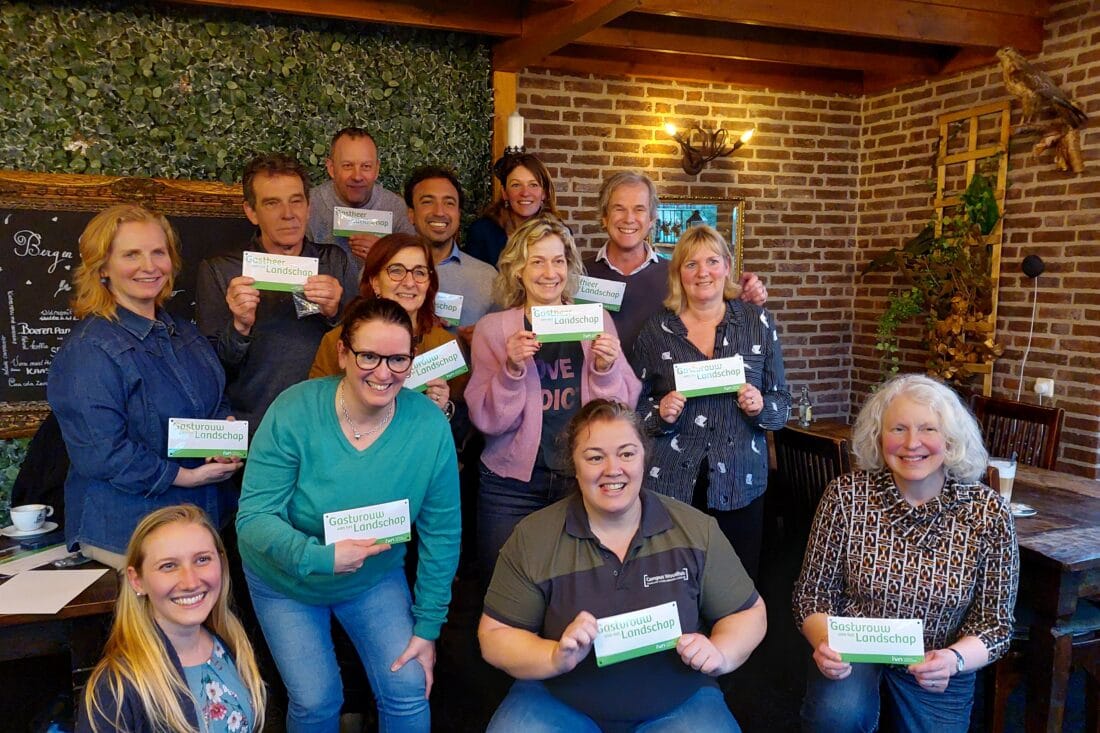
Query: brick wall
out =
(799, 177)
(832, 181)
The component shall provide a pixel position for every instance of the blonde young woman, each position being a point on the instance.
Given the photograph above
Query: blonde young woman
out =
(522, 394)
(177, 658)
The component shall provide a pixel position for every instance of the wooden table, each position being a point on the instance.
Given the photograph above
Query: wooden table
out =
(1059, 563)
(80, 628)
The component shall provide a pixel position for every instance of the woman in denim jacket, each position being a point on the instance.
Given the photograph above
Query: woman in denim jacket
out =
(123, 371)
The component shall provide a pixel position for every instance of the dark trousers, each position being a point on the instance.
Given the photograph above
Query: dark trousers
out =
(743, 527)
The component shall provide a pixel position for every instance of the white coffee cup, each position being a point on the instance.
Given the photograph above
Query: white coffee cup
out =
(29, 517)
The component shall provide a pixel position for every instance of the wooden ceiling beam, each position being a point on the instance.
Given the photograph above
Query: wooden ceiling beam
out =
(489, 17)
(743, 74)
(546, 32)
(730, 41)
(905, 20)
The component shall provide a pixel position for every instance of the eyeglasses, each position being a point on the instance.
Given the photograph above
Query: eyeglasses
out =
(397, 273)
(368, 360)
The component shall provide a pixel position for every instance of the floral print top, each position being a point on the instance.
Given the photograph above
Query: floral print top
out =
(222, 700)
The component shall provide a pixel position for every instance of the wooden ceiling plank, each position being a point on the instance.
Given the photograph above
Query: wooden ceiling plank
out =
(713, 40)
(907, 20)
(748, 75)
(546, 32)
(488, 17)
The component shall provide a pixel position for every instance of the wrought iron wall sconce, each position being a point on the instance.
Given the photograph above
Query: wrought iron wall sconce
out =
(712, 145)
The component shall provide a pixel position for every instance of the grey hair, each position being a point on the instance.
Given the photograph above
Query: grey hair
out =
(965, 456)
(627, 178)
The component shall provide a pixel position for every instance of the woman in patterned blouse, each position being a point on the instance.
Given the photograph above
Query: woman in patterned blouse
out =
(914, 535)
(711, 451)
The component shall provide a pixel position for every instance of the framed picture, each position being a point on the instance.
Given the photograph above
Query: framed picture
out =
(676, 214)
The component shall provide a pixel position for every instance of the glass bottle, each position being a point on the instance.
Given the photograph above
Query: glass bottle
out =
(805, 408)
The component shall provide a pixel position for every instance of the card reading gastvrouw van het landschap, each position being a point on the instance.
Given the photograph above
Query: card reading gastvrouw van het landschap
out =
(552, 323)
(443, 362)
(877, 640)
(710, 376)
(347, 221)
(607, 293)
(278, 272)
(190, 438)
(387, 523)
(448, 307)
(636, 634)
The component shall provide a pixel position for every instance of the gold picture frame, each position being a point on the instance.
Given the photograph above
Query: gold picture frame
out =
(676, 213)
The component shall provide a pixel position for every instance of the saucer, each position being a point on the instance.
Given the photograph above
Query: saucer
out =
(11, 531)
(1022, 510)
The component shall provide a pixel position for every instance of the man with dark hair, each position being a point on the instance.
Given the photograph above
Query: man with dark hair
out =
(353, 169)
(266, 340)
(434, 198)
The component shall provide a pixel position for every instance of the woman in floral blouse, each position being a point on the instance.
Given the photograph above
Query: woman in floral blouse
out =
(177, 659)
(915, 535)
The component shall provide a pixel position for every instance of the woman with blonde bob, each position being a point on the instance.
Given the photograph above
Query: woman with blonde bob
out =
(176, 652)
(711, 451)
(914, 535)
(126, 368)
(522, 394)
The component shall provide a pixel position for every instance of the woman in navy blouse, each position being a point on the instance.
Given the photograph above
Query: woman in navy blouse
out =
(123, 371)
(711, 451)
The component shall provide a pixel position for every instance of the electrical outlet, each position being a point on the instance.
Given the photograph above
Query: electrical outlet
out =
(1044, 387)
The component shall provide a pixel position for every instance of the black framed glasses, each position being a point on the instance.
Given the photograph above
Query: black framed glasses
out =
(397, 273)
(368, 360)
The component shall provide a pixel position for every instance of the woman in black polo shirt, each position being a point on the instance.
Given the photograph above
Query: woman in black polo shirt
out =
(610, 549)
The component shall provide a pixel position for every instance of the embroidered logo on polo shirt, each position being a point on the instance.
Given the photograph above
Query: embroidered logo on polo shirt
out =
(648, 580)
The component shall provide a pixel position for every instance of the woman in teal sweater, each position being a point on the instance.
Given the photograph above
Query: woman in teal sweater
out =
(352, 442)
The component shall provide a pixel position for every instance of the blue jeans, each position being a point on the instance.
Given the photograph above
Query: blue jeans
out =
(531, 708)
(379, 622)
(502, 502)
(852, 704)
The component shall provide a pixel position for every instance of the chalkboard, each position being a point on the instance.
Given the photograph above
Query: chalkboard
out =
(41, 218)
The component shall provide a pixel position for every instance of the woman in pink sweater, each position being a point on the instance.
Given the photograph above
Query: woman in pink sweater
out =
(522, 394)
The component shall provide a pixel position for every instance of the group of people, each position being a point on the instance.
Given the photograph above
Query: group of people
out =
(596, 476)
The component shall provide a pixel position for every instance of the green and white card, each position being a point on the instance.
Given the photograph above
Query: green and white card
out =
(278, 272)
(192, 438)
(877, 640)
(607, 293)
(448, 307)
(636, 634)
(552, 323)
(710, 376)
(387, 523)
(443, 362)
(347, 221)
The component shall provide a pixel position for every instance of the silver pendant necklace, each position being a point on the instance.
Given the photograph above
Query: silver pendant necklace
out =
(355, 431)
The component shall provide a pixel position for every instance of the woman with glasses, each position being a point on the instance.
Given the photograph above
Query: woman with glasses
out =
(351, 442)
(399, 267)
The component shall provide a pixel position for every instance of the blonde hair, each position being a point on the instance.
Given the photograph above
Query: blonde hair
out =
(508, 290)
(92, 295)
(964, 457)
(701, 236)
(135, 653)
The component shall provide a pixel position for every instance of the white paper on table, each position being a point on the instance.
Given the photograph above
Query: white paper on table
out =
(37, 560)
(44, 591)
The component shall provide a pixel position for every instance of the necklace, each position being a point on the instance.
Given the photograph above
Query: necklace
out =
(360, 434)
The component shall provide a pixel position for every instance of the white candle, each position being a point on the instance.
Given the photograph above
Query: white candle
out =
(515, 130)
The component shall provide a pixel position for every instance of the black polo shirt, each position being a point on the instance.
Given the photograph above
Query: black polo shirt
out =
(553, 567)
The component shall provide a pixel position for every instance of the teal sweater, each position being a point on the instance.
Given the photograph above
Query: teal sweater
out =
(301, 466)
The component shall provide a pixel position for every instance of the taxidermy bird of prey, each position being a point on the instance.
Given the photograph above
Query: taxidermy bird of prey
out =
(1035, 89)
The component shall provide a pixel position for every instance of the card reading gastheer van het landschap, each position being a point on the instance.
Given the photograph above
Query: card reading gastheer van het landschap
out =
(278, 272)
(347, 221)
(607, 293)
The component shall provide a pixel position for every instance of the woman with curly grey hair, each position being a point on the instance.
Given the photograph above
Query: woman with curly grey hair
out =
(915, 534)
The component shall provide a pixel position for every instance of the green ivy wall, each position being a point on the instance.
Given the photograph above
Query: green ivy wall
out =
(179, 92)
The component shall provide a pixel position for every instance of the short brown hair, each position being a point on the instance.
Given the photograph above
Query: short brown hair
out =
(382, 252)
(272, 164)
(353, 133)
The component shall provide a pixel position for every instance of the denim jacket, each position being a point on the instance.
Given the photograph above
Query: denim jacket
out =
(113, 386)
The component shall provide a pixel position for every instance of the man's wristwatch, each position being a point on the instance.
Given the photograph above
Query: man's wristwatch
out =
(960, 663)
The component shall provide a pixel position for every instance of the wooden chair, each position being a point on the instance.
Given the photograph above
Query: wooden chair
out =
(1031, 431)
(805, 463)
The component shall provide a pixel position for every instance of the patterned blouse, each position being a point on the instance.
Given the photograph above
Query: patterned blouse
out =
(952, 562)
(712, 427)
(222, 700)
